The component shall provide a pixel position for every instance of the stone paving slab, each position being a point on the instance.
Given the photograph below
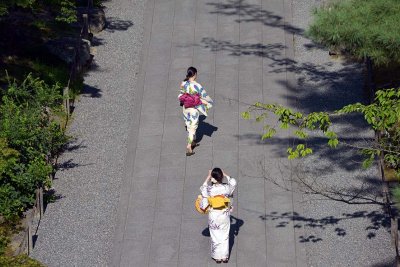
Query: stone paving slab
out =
(200, 33)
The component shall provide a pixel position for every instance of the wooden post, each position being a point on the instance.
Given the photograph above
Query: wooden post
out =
(41, 204)
(66, 99)
(37, 203)
(85, 28)
(394, 223)
(29, 232)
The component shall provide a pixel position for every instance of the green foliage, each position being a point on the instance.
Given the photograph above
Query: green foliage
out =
(288, 119)
(67, 12)
(362, 27)
(8, 158)
(50, 73)
(6, 4)
(19, 261)
(300, 151)
(4, 238)
(66, 8)
(382, 115)
(396, 195)
(27, 136)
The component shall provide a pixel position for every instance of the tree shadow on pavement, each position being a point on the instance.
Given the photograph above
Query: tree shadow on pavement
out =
(69, 164)
(342, 85)
(253, 13)
(339, 158)
(71, 146)
(96, 41)
(376, 220)
(114, 24)
(91, 91)
(389, 263)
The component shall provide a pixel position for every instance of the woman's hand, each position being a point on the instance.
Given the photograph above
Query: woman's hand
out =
(224, 173)
(208, 177)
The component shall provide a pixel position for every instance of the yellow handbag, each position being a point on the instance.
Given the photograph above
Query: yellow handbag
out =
(219, 202)
(197, 205)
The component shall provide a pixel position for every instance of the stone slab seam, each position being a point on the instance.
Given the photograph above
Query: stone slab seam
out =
(126, 183)
(300, 250)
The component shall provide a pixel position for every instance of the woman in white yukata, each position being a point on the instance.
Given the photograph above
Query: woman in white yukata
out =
(191, 114)
(218, 218)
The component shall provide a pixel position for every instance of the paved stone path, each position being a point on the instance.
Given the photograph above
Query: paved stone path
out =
(245, 51)
(158, 225)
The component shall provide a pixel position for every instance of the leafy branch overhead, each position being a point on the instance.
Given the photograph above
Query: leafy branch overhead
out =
(382, 115)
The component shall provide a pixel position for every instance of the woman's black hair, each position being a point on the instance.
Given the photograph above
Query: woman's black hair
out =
(191, 71)
(217, 174)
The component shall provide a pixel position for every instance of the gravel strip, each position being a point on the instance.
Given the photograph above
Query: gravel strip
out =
(77, 230)
(336, 233)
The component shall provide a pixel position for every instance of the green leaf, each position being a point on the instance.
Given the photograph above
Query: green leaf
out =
(333, 142)
(301, 134)
(270, 133)
(246, 115)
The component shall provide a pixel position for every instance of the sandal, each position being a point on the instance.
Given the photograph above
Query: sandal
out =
(189, 152)
(218, 261)
(225, 260)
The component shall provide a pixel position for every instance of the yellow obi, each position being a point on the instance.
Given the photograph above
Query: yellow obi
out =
(219, 202)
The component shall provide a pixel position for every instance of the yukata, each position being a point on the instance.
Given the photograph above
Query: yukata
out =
(191, 115)
(218, 219)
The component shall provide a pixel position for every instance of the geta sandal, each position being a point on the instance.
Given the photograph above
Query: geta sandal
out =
(189, 152)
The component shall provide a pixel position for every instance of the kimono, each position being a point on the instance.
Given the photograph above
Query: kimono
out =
(191, 115)
(218, 219)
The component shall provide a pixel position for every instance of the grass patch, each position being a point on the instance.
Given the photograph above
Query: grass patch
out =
(50, 71)
(19, 261)
(7, 229)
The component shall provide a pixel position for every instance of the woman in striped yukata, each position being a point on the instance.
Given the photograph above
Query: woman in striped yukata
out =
(191, 91)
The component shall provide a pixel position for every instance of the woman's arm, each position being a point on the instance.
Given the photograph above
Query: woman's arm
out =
(207, 178)
(205, 98)
(204, 102)
(203, 188)
(231, 183)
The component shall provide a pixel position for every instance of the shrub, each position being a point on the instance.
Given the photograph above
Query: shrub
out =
(28, 136)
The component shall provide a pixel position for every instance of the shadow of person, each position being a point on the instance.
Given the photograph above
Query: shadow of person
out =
(204, 129)
(234, 231)
(236, 223)
(206, 232)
